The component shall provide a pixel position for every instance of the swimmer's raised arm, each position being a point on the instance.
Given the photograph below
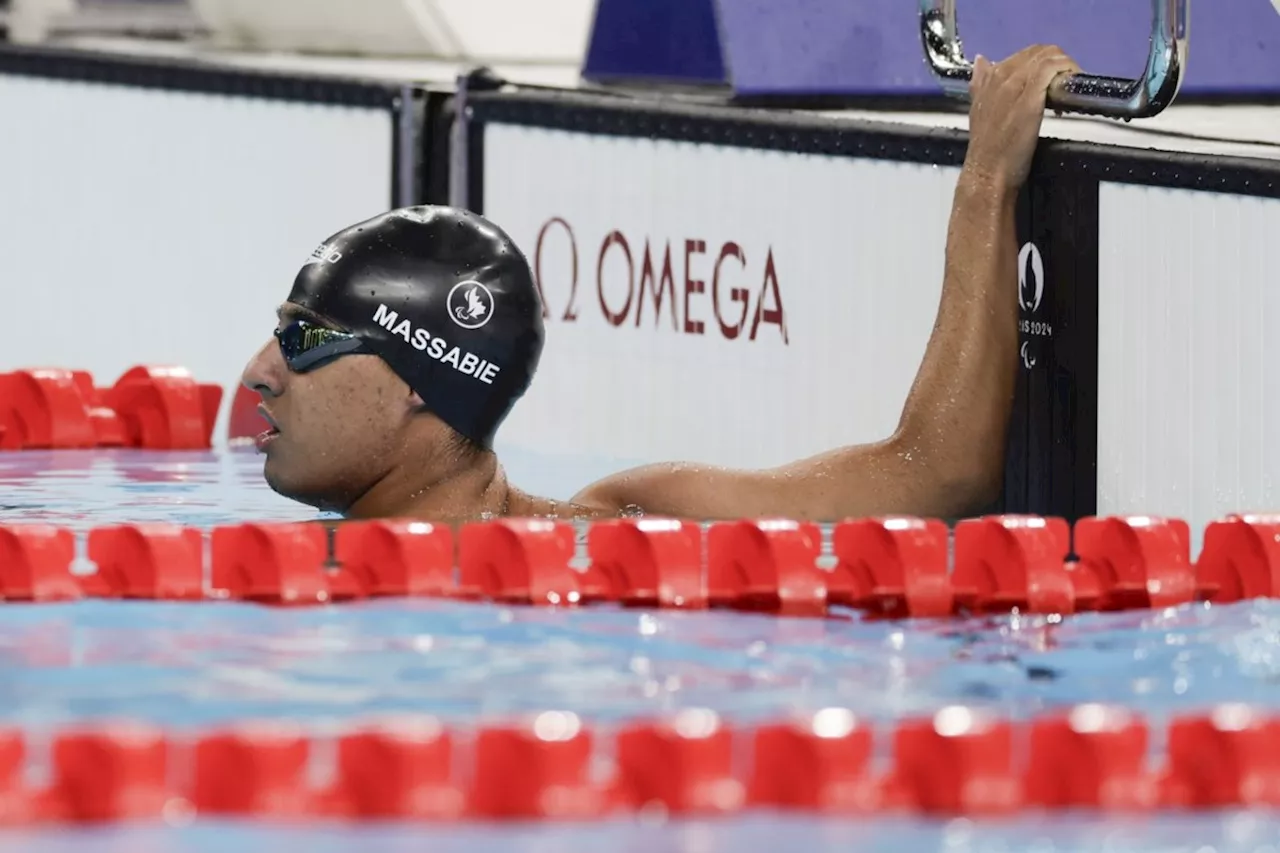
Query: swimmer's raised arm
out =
(946, 457)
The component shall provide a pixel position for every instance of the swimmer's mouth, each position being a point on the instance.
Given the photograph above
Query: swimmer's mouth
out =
(266, 416)
(273, 428)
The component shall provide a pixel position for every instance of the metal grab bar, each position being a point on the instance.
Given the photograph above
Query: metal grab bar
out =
(1114, 97)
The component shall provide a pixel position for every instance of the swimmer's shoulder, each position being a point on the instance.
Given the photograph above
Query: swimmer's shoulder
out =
(700, 491)
(523, 505)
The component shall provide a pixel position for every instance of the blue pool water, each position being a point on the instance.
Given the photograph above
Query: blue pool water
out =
(191, 664)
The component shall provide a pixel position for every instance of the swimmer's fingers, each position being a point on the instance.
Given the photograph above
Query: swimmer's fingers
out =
(991, 79)
(1000, 85)
(982, 69)
(1023, 71)
(1006, 81)
(1051, 71)
(1013, 65)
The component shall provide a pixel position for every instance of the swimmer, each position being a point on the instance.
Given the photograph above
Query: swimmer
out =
(408, 338)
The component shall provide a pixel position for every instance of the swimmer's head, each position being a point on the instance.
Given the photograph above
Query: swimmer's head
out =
(421, 326)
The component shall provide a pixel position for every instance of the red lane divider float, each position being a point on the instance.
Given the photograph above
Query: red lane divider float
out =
(154, 408)
(887, 568)
(650, 562)
(820, 763)
(146, 562)
(275, 563)
(35, 563)
(1013, 562)
(892, 567)
(399, 769)
(525, 561)
(1241, 558)
(553, 765)
(768, 565)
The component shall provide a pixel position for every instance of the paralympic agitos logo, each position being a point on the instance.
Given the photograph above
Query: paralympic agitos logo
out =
(681, 284)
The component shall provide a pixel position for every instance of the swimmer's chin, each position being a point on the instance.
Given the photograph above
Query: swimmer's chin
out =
(295, 491)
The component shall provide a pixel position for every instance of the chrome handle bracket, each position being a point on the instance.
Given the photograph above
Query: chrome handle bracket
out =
(1113, 97)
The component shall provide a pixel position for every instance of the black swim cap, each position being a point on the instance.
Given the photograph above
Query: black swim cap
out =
(445, 298)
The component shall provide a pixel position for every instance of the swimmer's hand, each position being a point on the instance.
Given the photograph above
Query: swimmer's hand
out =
(1007, 105)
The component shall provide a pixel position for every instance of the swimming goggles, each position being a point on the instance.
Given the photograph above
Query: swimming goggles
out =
(305, 345)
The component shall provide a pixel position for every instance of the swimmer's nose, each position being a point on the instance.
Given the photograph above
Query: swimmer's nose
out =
(266, 371)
